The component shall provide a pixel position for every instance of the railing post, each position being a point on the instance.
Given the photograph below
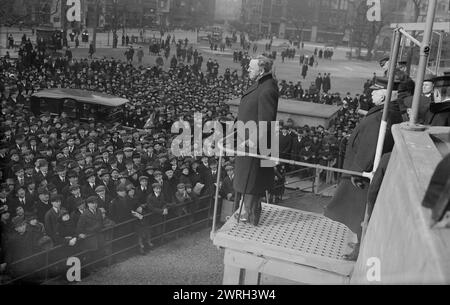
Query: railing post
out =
(390, 87)
(424, 52)
(163, 237)
(110, 246)
(216, 199)
(46, 264)
(313, 183)
(317, 179)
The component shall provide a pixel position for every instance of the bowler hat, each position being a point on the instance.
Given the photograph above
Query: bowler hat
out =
(18, 222)
(89, 174)
(103, 172)
(100, 188)
(121, 188)
(42, 190)
(156, 185)
(72, 174)
(229, 167)
(92, 199)
(382, 83)
(56, 197)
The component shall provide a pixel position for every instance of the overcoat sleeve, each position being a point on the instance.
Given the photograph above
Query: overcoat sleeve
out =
(267, 109)
(364, 147)
(267, 104)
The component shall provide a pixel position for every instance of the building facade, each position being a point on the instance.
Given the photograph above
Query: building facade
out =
(265, 17)
(26, 12)
(228, 10)
(403, 11)
(129, 13)
(314, 20)
(190, 14)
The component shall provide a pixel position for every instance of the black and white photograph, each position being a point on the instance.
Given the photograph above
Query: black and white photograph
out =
(224, 150)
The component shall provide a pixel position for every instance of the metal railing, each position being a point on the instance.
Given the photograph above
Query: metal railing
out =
(50, 265)
(236, 152)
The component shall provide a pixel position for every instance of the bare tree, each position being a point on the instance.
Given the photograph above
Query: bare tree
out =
(366, 32)
(10, 16)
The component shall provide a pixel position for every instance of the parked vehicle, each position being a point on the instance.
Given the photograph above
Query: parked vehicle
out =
(78, 104)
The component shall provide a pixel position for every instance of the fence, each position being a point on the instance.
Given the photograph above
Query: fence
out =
(317, 177)
(50, 265)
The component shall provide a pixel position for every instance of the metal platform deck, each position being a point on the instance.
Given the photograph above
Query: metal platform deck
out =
(290, 244)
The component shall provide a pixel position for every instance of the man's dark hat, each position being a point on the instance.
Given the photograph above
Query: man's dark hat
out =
(429, 77)
(92, 199)
(382, 83)
(74, 187)
(56, 197)
(442, 81)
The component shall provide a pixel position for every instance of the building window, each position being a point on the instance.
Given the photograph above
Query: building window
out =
(334, 4)
(343, 5)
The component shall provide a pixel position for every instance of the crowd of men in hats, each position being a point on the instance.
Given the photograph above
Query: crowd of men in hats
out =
(68, 178)
(64, 180)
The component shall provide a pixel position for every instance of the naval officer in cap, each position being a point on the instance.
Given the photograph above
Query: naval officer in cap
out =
(349, 201)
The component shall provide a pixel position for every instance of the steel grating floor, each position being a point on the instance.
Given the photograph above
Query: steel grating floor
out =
(300, 233)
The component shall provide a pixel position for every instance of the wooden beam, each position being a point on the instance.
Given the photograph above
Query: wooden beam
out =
(420, 26)
(254, 265)
(243, 238)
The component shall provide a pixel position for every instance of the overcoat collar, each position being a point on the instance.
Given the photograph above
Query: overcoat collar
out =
(375, 109)
(393, 106)
(257, 83)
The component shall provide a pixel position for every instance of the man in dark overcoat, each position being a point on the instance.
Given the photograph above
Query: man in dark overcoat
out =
(349, 201)
(52, 217)
(258, 104)
(90, 225)
(304, 70)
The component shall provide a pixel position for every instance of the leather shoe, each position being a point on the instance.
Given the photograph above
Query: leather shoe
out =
(243, 217)
(255, 214)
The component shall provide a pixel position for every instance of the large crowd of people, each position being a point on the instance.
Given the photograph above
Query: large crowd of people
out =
(63, 180)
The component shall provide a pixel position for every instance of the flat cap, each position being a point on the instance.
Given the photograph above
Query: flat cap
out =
(100, 188)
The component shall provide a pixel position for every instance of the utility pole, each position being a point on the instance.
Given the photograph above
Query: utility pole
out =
(94, 32)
